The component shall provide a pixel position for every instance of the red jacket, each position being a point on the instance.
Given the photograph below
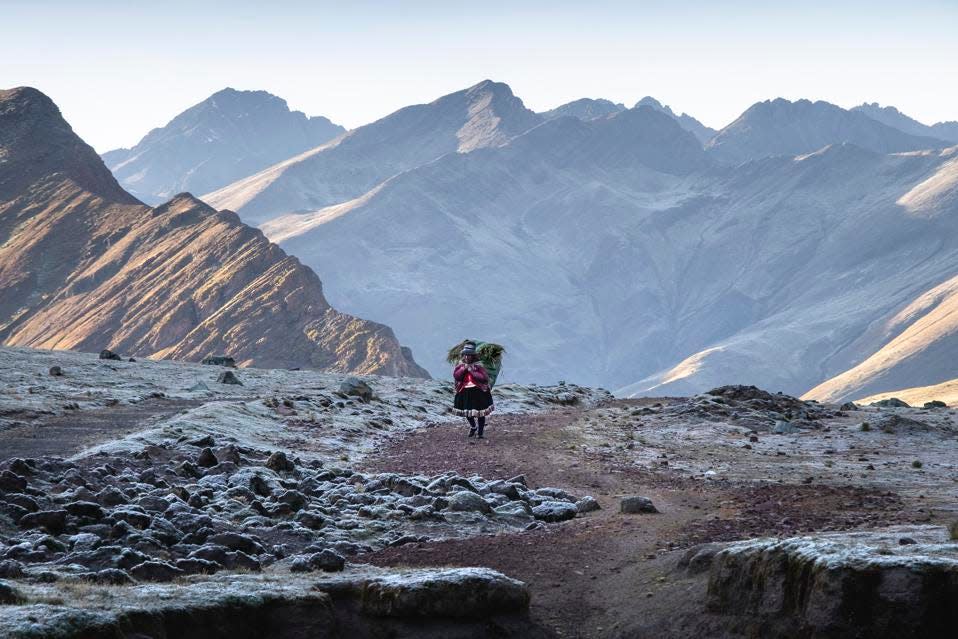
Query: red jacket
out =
(479, 376)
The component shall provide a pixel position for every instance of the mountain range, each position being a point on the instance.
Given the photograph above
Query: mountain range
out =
(84, 265)
(228, 136)
(803, 247)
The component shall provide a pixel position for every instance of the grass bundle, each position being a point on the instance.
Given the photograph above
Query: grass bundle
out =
(490, 355)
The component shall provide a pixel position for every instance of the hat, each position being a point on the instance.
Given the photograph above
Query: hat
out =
(468, 349)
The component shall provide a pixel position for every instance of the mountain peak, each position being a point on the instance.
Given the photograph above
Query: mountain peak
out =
(36, 144)
(585, 109)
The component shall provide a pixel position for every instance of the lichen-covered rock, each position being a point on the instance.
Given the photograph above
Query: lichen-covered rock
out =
(637, 504)
(853, 584)
(466, 501)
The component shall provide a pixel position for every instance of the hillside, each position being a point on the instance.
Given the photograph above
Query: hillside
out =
(84, 266)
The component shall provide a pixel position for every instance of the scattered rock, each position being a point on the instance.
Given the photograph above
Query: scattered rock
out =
(891, 402)
(848, 406)
(110, 355)
(935, 404)
(637, 504)
(228, 377)
(206, 458)
(53, 521)
(467, 501)
(279, 462)
(587, 504)
(156, 571)
(56, 371)
(355, 387)
(553, 511)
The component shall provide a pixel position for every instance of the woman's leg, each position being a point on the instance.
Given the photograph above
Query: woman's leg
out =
(482, 424)
(472, 425)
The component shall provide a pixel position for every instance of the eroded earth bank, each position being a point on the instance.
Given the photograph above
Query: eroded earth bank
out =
(149, 499)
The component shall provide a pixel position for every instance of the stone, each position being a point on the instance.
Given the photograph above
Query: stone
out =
(698, 559)
(10, 596)
(470, 593)
(466, 501)
(228, 377)
(783, 427)
(85, 509)
(848, 406)
(587, 504)
(108, 577)
(206, 458)
(891, 402)
(852, 584)
(158, 571)
(565, 399)
(110, 496)
(10, 569)
(355, 387)
(279, 462)
(53, 521)
(637, 504)
(110, 355)
(56, 371)
(237, 541)
(11, 482)
(935, 403)
(197, 566)
(553, 511)
(219, 360)
(327, 561)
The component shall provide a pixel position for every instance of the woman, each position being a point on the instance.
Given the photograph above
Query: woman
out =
(473, 397)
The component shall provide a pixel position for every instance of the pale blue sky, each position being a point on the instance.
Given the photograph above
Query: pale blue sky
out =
(116, 71)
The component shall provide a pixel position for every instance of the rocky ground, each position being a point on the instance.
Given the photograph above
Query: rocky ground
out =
(131, 493)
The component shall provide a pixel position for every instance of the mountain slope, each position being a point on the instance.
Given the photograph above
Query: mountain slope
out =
(228, 136)
(686, 121)
(894, 118)
(530, 244)
(85, 266)
(780, 127)
(485, 115)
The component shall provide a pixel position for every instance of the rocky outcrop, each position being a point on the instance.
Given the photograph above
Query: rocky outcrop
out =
(901, 582)
(84, 266)
(361, 603)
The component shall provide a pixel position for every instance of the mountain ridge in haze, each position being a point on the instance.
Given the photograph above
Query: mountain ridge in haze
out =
(226, 137)
(85, 266)
(894, 118)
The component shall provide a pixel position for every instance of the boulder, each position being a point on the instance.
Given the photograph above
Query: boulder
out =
(108, 577)
(206, 458)
(935, 404)
(279, 462)
(110, 355)
(85, 509)
(848, 406)
(53, 521)
(228, 377)
(637, 504)
(56, 371)
(587, 504)
(156, 571)
(355, 387)
(891, 402)
(11, 482)
(466, 501)
(552, 511)
(848, 584)
(10, 569)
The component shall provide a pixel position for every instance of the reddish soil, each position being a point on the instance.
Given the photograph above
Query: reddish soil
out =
(606, 574)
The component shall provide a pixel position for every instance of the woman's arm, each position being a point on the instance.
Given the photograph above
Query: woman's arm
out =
(459, 372)
(479, 373)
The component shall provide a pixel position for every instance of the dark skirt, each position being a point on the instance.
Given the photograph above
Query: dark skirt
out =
(473, 402)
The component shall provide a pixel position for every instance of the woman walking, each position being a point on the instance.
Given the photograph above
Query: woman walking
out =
(473, 396)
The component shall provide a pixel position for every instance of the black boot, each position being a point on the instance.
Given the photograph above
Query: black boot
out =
(472, 426)
(482, 427)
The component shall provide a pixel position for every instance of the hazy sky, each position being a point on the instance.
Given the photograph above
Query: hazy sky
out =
(117, 71)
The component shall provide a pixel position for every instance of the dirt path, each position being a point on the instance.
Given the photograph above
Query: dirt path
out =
(67, 434)
(607, 574)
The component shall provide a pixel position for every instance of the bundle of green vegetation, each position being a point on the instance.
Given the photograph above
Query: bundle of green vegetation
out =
(490, 355)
